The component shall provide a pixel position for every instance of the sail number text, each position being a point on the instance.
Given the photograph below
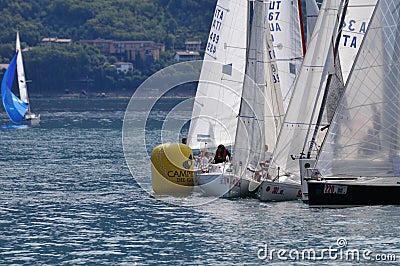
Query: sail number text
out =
(273, 17)
(335, 189)
(351, 29)
(214, 37)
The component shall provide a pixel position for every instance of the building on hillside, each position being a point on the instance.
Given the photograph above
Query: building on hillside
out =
(186, 56)
(124, 67)
(3, 67)
(192, 51)
(127, 50)
(51, 41)
(193, 46)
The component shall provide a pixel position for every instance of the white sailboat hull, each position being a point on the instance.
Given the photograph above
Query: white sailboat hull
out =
(32, 119)
(224, 184)
(284, 190)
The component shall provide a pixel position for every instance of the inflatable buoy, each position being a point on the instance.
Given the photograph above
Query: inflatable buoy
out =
(172, 167)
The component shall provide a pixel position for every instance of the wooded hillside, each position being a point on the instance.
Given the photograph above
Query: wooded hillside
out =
(73, 68)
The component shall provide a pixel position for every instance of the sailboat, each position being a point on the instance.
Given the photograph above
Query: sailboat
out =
(18, 109)
(280, 19)
(233, 179)
(303, 115)
(217, 102)
(356, 15)
(283, 179)
(359, 162)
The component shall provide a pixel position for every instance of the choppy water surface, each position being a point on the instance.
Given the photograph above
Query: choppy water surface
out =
(67, 198)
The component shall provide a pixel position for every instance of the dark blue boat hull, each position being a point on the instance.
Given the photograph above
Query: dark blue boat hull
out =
(325, 194)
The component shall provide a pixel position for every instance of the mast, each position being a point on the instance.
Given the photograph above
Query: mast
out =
(325, 96)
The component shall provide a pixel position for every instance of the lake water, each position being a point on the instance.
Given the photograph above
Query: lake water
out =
(67, 197)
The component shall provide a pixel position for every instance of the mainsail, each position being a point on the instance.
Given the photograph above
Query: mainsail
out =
(258, 98)
(355, 13)
(23, 92)
(306, 98)
(365, 130)
(214, 115)
(15, 107)
(286, 27)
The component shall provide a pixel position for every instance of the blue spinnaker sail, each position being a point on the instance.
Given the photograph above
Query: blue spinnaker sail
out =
(15, 107)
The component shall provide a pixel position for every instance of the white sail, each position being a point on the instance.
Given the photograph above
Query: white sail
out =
(23, 92)
(312, 11)
(365, 131)
(303, 110)
(288, 38)
(255, 116)
(273, 95)
(216, 106)
(355, 25)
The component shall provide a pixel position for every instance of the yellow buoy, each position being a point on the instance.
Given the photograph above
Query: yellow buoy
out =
(172, 169)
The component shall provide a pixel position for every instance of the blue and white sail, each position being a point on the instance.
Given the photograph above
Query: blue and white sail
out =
(15, 107)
